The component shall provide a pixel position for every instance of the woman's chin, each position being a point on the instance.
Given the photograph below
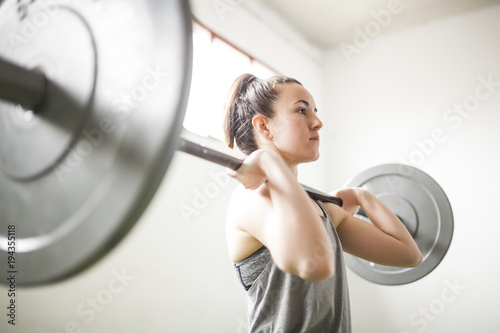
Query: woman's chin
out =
(311, 158)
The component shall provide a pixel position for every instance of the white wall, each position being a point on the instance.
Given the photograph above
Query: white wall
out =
(173, 267)
(383, 106)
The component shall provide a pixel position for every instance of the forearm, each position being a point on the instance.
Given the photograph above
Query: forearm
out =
(383, 218)
(301, 242)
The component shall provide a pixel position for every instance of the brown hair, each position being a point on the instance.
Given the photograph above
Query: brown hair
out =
(248, 97)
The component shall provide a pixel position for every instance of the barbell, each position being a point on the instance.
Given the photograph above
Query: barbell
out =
(92, 99)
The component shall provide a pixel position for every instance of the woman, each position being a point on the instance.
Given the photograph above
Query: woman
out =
(287, 248)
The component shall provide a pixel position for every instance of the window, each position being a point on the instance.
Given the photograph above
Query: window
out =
(216, 64)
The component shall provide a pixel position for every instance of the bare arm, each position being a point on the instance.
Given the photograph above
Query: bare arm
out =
(386, 242)
(281, 216)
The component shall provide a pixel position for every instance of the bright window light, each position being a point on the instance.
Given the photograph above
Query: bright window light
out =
(216, 64)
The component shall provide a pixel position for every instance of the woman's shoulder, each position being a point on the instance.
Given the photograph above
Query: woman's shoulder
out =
(245, 202)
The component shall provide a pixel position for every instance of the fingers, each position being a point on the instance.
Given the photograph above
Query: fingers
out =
(231, 173)
(350, 200)
(249, 181)
(249, 174)
(355, 210)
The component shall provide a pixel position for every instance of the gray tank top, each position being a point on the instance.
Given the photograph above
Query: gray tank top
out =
(285, 303)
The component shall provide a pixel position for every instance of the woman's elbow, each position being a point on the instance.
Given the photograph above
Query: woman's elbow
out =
(309, 270)
(312, 268)
(314, 271)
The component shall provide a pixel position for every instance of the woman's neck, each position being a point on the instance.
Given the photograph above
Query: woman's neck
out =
(290, 164)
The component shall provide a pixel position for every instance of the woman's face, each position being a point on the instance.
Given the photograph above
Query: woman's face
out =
(295, 125)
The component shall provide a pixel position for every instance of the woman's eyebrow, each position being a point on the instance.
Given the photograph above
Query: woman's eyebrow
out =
(302, 101)
(306, 103)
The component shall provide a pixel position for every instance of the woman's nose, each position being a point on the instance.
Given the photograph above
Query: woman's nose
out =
(316, 122)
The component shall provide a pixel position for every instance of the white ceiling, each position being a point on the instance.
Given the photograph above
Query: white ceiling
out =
(326, 23)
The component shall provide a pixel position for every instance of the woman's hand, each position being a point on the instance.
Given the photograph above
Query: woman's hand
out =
(250, 174)
(385, 241)
(349, 198)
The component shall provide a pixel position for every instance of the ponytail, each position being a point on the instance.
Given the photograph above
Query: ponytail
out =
(232, 119)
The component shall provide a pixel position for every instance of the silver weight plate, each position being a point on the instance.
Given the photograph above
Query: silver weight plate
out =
(422, 206)
(75, 177)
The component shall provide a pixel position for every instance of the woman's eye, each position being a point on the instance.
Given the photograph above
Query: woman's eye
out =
(303, 111)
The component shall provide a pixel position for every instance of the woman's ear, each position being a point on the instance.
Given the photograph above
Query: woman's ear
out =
(260, 124)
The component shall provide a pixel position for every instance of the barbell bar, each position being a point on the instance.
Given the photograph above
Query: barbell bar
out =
(22, 86)
(29, 87)
(234, 163)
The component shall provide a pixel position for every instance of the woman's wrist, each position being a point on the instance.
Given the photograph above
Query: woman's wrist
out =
(361, 195)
